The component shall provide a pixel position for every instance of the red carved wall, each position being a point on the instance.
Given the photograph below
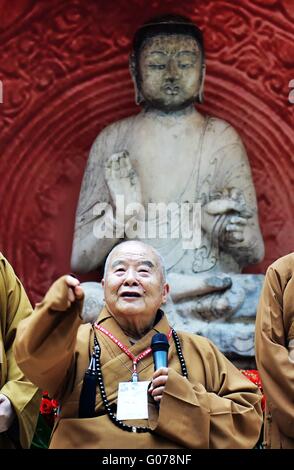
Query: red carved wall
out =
(64, 68)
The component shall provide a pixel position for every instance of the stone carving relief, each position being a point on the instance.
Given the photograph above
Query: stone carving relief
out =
(65, 77)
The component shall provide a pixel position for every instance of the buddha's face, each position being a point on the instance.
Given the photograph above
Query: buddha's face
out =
(170, 71)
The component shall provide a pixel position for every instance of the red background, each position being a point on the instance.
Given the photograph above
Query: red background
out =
(64, 68)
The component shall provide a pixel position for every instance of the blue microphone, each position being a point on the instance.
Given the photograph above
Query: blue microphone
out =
(159, 346)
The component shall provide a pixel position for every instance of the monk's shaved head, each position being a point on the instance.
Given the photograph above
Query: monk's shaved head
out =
(130, 245)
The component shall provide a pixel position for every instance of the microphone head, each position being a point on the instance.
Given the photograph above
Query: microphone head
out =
(159, 342)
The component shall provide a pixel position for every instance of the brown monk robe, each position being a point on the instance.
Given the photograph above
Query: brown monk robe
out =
(22, 394)
(274, 332)
(216, 407)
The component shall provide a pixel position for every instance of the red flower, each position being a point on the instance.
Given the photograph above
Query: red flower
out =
(253, 375)
(46, 406)
(55, 403)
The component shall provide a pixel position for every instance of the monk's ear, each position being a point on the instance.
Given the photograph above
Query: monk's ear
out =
(103, 282)
(165, 292)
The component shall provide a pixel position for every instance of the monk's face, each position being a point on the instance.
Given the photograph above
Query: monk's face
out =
(170, 71)
(133, 284)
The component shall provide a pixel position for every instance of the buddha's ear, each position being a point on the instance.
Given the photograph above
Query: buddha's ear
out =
(132, 65)
(135, 77)
(201, 88)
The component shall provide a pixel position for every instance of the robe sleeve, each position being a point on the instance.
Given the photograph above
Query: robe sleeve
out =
(274, 319)
(226, 415)
(23, 395)
(45, 342)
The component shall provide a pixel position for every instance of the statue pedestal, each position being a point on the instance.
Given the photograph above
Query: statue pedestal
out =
(233, 334)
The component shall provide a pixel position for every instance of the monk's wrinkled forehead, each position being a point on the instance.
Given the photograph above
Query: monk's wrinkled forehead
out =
(170, 44)
(133, 253)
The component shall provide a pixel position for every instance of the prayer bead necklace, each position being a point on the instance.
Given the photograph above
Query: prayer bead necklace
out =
(111, 415)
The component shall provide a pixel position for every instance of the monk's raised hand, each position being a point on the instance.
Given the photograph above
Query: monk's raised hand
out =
(64, 292)
(75, 291)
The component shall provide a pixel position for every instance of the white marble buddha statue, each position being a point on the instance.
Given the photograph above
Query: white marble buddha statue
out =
(170, 153)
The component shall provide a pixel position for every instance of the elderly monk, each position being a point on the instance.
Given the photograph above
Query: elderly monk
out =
(199, 401)
(275, 352)
(19, 398)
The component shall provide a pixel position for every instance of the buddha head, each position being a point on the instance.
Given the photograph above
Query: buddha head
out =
(168, 64)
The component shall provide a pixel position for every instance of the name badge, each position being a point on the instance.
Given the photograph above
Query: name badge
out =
(132, 401)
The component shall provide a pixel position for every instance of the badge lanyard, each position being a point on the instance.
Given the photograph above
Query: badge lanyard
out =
(135, 359)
